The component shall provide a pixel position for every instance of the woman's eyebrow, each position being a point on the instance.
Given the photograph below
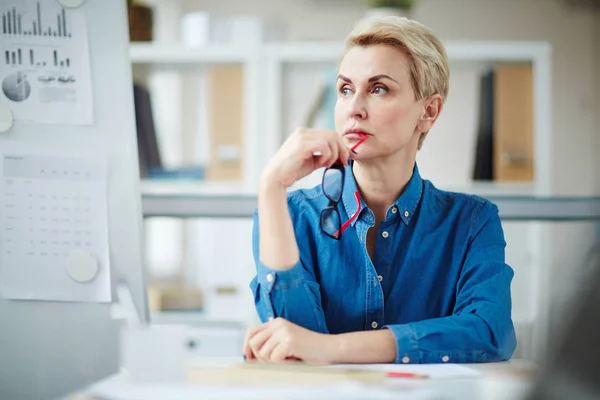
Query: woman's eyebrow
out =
(371, 79)
(382, 76)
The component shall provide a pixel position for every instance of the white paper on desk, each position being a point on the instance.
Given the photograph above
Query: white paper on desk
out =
(434, 371)
(45, 69)
(122, 389)
(50, 206)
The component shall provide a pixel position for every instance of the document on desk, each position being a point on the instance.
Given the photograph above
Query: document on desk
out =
(52, 207)
(433, 371)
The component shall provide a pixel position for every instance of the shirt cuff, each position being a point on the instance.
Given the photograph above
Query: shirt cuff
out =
(407, 346)
(271, 279)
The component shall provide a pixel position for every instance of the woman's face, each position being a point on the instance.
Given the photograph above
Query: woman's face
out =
(375, 97)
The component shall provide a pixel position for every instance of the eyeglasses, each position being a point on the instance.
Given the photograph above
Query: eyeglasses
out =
(333, 187)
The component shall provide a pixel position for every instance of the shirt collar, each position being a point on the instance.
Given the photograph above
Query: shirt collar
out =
(406, 204)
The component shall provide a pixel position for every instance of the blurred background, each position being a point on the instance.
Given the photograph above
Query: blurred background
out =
(219, 84)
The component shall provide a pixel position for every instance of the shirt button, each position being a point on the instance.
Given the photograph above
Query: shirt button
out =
(380, 278)
(405, 359)
(374, 324)
(385, 234)
(445, 359)
(270, 277)
(394, 210)
(406, 214)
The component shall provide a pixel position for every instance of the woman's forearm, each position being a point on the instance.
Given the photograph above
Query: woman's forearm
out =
(364, 347)
(278, 247)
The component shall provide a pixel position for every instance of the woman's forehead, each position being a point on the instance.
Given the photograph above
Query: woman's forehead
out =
(367, 61)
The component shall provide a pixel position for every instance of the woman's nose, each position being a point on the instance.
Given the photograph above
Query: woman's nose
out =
(357, 108)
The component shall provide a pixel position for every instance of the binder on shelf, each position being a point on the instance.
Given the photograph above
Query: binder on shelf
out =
(226, 128)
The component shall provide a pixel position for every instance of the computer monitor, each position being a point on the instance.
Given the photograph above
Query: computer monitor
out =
(51, 348)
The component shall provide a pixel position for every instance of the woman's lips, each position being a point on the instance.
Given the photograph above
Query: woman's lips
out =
(355, 136)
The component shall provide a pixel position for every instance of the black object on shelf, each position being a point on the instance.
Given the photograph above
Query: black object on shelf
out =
(483, 169)
(150, 162)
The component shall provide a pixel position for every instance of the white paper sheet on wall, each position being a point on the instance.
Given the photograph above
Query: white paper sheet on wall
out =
(45, 62)
(51, 208)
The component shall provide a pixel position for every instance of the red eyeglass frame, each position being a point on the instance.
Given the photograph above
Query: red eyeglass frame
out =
(346, 224)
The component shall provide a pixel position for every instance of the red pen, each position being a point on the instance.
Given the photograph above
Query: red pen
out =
(364, 137)
(398, 374)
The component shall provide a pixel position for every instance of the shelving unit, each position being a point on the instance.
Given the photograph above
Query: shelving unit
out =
(264, 64)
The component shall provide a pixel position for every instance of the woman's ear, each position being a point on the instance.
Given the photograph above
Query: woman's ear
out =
(431, 110)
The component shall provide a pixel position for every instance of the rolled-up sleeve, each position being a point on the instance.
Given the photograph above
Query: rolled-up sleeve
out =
(292, 294)
(480, 328)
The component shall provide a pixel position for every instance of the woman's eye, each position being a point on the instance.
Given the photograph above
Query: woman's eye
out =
(345, 90)
(380, 90)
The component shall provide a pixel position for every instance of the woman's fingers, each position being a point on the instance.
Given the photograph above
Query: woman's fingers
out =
(257, 342)
(267, 348)
(339, 150)
(333, 154)
(247, 350)
(327, 146)
(344, 150)
(279, 353)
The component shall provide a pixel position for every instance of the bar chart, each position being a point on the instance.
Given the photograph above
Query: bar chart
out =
(40, 57)
(45, 73)
(35, 22)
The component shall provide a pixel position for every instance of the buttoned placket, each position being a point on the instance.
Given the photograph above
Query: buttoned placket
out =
(374, 294)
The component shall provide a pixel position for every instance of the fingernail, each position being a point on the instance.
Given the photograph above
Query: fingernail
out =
(244, 357)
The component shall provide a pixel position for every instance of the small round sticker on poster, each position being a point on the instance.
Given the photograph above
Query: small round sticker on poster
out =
(6, 118)
(70, 3)
(82, 267)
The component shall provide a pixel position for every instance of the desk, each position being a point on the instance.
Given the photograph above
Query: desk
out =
(499, 381)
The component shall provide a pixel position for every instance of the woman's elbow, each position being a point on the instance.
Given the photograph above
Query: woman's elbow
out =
(503, 344)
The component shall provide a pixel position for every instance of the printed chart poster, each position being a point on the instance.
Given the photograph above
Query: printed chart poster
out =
(50, 208)
(45, 62)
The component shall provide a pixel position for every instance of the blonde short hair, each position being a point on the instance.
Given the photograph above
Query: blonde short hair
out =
(428, 60)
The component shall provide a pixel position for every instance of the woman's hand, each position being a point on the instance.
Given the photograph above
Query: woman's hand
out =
(294, 160)
(279, 340)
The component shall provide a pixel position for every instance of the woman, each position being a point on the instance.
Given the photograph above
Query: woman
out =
(396, 270)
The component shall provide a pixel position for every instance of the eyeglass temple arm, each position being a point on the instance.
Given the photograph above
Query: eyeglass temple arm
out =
(353, 217)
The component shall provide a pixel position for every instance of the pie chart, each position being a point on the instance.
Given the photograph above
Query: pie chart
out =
(16, 87)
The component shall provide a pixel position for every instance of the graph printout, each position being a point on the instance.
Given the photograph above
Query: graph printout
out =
(45, 62)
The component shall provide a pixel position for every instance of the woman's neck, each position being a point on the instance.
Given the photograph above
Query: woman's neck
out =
(382, 181)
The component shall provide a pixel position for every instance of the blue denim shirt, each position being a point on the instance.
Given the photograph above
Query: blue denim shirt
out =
(438, 281)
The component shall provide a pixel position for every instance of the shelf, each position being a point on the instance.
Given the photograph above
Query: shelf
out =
(196, 318)
(185, 199)
(327, 52)
(183, 188)
(178, 54)
(234, 311)
(206, 200)
(314, 52)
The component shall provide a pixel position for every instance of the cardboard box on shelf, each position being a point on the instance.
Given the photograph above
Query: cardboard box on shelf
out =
(174, 297)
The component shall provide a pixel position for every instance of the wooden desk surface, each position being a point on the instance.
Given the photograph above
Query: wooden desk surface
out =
(499, 381)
